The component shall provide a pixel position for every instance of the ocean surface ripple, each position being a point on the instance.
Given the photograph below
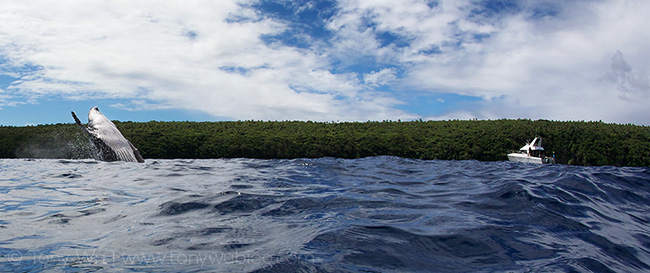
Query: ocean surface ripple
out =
(378, 214)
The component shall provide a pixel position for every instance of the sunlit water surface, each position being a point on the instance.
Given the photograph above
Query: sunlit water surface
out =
(374, 214)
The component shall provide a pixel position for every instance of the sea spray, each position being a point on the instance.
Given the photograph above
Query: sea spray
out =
(58, 144)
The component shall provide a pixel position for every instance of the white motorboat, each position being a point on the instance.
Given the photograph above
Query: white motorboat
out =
(532, 152)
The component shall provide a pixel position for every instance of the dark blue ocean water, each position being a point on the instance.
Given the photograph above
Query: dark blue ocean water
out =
(381, 214)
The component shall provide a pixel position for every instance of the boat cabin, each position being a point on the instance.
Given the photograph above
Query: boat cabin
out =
(534, 148)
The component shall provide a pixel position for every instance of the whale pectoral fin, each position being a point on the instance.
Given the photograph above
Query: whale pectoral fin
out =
(136, 152)
(76, 119)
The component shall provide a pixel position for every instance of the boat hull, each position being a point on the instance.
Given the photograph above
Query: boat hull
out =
(519, 157)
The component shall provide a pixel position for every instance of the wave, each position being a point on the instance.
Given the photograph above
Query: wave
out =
(322, 215)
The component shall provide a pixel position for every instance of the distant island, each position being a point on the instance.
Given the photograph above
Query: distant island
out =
(574, 142)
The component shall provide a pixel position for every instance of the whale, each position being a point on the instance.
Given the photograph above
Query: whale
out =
(106, 140)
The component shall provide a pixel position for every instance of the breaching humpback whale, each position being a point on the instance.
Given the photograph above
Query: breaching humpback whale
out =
(107, 139)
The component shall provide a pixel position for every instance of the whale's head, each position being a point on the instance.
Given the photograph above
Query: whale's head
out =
(94, 113)
(97, 120)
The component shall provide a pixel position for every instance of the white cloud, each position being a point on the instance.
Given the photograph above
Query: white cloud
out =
(523, 63)
(206, 56)
(139, 105)
(381, 77)
(543, 59)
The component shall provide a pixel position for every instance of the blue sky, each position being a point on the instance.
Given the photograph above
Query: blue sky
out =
(348, 60)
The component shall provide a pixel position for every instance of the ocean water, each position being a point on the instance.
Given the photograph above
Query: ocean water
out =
(379, 214)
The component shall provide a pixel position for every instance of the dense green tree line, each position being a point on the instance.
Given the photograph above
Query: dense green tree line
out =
(578, 143)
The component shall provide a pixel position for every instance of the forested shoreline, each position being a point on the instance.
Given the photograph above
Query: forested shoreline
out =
(574, 142)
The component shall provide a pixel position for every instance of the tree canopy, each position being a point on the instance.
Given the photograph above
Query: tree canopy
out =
(574, 142)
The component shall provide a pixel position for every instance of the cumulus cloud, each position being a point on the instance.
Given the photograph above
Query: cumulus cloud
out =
(206, 56)
(379, 78)
(531, 58)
